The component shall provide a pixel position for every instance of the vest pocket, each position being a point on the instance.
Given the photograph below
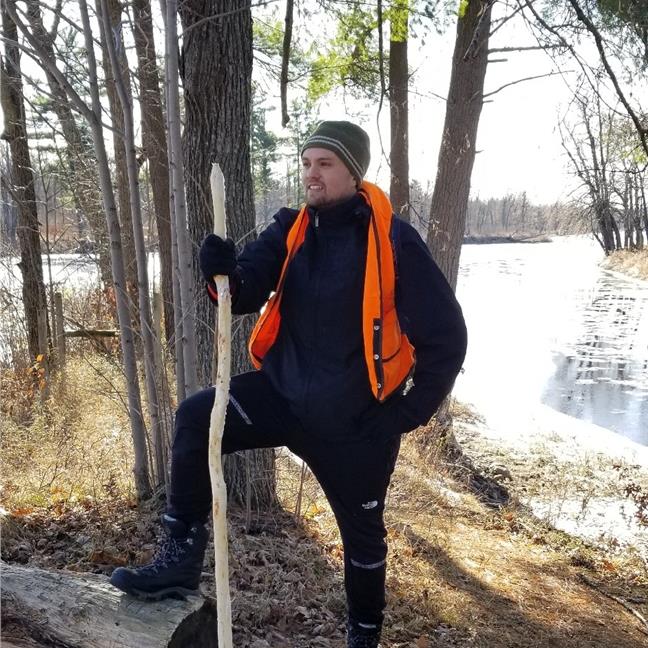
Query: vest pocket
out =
(397, 358)
(391, 336)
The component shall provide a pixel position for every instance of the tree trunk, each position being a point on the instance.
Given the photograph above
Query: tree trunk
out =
(70, 610)
(398, 110)
(457, 153)
(79, 155)
(184, 302)
(154, 142)
(144, 302)
(217, 69)
(117, 119)
(22, 178)
(250, 476)
(138, 430)
(644, 208)
(456, 158)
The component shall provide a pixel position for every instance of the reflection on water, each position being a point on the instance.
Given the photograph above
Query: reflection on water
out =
(601, 376)
(547, 325)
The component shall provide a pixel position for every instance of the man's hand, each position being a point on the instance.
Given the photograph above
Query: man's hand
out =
(386, 420)
(217, 257)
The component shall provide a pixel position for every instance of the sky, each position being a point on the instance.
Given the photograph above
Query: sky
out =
(519, 147)
(518, 141)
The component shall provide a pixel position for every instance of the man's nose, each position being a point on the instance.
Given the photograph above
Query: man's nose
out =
(312, 173)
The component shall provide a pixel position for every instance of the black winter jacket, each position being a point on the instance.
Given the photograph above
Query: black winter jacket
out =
(317, 362)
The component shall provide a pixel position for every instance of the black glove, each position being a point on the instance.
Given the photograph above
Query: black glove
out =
(217, 257)
(383, 421)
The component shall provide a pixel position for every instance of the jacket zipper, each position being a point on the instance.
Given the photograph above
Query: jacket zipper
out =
(318, 270)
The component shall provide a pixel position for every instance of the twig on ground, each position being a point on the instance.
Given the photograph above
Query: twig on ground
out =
(619, 600)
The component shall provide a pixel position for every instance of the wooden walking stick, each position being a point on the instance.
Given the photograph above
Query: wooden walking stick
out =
(217, 425)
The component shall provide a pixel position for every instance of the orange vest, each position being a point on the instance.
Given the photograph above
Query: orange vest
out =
(388, 352)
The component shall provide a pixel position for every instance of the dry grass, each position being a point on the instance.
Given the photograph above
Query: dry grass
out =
(630, 262)
(460, 574)
(76, 444)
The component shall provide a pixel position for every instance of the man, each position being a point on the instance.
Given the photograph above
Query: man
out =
(358, 306)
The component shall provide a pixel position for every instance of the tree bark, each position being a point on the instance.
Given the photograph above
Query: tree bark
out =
(79, 155)
(217, 69)
(71, 610)
(285, 62)
(184, 302)
(22, 177)
(123, 194)
(644, 209)
(398, 110)
(456, 158)
(116, 45)
(154, 142)
(138, 430)
(457, 153)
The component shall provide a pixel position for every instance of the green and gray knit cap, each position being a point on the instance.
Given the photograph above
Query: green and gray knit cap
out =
(348, 141)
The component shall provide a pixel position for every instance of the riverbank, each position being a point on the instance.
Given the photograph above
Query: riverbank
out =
(484, 239)
(633, 263)
(575, 476)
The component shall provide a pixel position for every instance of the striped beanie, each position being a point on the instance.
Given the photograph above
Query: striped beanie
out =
(348, 141)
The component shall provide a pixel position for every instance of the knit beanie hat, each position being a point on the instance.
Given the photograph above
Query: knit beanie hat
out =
(348, 141)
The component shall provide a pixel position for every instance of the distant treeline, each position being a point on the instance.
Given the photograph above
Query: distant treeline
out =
(510, 215)
(514, 214)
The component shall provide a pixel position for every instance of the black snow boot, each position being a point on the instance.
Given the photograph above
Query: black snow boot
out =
(176, 567)
(361, 636)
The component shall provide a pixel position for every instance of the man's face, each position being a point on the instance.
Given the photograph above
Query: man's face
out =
(327, 180)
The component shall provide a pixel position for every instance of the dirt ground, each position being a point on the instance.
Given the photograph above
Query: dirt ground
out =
(460, 574)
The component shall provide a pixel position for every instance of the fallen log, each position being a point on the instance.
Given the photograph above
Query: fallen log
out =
(71, 610)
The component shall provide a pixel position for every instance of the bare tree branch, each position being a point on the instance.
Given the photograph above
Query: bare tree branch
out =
(589, 25)
(521, 48)
(474, 43)
(57, 19)
(51, 67)
(552, 30)
(531, 78)
(502, 21)
(58, 15)
(285, 60)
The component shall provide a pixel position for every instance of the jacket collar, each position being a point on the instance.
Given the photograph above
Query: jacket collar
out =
(352, 209)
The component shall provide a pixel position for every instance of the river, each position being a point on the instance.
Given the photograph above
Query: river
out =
(549, 327)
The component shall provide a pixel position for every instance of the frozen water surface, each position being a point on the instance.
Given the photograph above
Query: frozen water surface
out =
(548, 326)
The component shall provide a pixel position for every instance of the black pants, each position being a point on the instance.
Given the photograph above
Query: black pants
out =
(354, 475)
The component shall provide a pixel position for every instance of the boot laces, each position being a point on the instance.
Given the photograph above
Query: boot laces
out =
(169, 551)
